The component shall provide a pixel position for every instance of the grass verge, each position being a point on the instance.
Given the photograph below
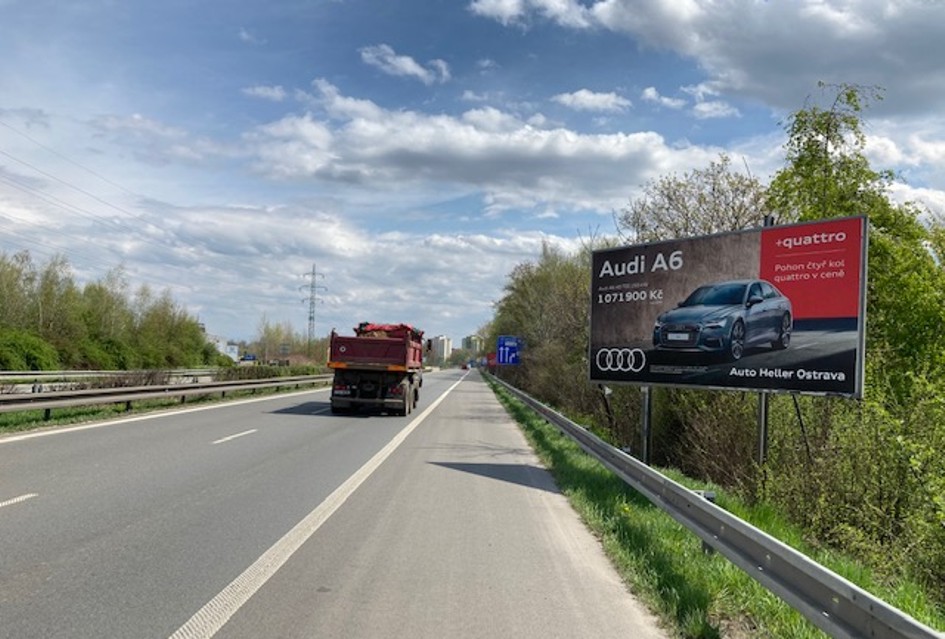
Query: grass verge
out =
(697, 595)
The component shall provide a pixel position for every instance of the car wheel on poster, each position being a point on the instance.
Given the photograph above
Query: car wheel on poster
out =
(736, 345)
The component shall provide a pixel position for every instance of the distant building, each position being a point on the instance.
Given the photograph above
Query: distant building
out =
(473, 344)
(229, 349)
(442, 349)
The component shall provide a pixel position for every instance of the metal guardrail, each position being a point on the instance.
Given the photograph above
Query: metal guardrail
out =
(43, 376)
(13, 402)
(832, 603)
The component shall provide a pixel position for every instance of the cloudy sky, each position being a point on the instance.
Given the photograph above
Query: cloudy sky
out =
(413, 151)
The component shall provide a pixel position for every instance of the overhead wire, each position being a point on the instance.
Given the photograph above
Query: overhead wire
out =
(50, 199)
(66, 158)
(84, 192)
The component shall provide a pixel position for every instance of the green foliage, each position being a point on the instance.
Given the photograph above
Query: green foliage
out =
(546, 304)
(94, 356)
(701, 202)
(906, 296)
(51, 322)
(16, 279)
(23, 351)
(827, 174)
(715, 436)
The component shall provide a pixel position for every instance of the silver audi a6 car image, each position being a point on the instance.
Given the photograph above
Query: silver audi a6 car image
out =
(726, 319)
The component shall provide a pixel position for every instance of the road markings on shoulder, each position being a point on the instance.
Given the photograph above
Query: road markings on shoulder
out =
(208, 620)
(236, 436)
(18, 500)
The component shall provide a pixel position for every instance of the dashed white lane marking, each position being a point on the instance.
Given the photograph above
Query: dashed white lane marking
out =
(155, 415)
(18, 500)
(208, 620)
(236, 436)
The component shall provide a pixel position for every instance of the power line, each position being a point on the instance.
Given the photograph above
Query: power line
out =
(11, 180)
(67, 159)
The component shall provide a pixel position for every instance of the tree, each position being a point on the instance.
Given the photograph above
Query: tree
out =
(16, 277)
(701, 202)
(109, 321)
(546, 304)
(865, 478)
(275, 341)
(166, 336)
(53, 308)
(827, 174)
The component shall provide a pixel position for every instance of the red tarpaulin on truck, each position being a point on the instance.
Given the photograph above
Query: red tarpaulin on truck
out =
(367, 329)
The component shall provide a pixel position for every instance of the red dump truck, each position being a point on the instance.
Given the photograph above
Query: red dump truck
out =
(380, 367)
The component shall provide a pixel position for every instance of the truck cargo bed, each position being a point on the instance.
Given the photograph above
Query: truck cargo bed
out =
(402, 350)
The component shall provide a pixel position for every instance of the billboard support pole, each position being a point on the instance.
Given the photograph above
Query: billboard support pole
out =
(763, 411)
(647, 430)
(762, 427)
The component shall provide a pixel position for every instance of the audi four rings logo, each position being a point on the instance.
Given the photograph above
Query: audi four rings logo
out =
(624, 360)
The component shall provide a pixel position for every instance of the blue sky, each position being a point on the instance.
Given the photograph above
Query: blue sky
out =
(414, 150)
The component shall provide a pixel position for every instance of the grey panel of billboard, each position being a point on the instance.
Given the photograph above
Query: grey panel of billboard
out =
(779, 308)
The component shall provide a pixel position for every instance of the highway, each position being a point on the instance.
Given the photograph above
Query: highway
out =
(271, 517)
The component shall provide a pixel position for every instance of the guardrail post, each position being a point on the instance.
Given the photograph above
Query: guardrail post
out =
(709, 496)
(647, 426)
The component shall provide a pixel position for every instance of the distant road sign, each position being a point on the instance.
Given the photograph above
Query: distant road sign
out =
(507, 349)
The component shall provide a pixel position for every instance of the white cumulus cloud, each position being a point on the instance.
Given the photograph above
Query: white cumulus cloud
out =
(650, 94)
(585, 100)
(383, 57)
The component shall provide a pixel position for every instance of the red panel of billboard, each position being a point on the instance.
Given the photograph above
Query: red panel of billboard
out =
(778, 308)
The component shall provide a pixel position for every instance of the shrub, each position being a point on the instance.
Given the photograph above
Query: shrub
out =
(20, 350)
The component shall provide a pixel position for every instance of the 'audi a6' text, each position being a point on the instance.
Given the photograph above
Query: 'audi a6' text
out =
(726, 319)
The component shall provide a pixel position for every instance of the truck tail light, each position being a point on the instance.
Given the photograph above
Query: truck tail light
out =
(341, 389)
(395, 390)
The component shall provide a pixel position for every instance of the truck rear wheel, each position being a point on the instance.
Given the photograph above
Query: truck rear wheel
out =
(408, 401)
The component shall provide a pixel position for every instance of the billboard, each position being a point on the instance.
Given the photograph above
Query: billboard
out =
(777, 308)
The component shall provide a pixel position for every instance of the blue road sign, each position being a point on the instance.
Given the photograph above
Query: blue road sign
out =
(507, 349)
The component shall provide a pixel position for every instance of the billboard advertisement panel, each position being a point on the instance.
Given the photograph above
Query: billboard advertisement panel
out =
(777, 308)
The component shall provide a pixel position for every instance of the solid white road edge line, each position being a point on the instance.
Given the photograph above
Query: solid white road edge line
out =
(18, 500)
(232, 437)
(208, 620)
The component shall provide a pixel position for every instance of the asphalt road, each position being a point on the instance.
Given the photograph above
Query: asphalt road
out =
(273, 518)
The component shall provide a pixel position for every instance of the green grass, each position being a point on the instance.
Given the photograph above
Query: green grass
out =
(697, 595)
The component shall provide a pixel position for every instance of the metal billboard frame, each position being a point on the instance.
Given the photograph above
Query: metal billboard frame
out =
(833, 346)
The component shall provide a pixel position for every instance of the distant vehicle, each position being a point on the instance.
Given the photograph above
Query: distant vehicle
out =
(727, 318)
(381, 366)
